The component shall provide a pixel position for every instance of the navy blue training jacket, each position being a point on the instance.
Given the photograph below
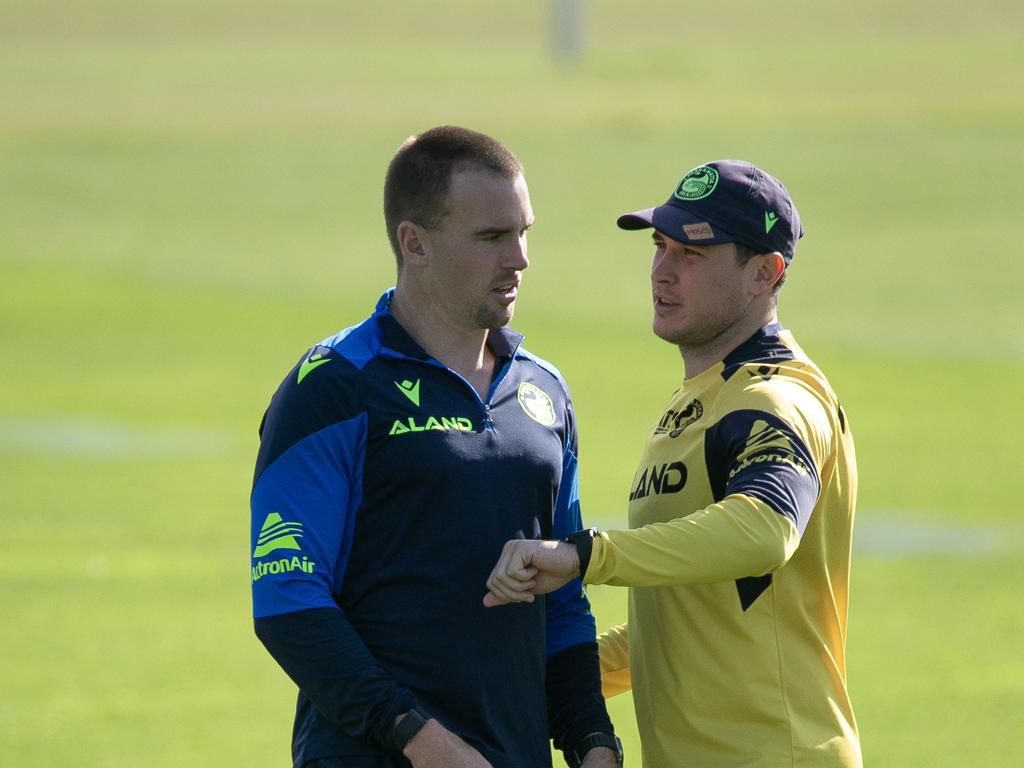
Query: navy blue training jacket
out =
(384, 490)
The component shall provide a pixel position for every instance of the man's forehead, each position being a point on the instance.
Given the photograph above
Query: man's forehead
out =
(472, 174)
(478, 193)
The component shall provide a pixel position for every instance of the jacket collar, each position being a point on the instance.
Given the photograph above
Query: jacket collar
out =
(503, 342)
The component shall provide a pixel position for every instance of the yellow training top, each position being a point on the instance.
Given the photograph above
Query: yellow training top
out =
(738, 559)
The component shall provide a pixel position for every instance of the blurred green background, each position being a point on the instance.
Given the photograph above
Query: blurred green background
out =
(190, 197)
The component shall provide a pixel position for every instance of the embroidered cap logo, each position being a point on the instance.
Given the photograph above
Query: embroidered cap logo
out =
(698, 183)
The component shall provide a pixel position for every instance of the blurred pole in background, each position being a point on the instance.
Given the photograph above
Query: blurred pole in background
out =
(567, 30)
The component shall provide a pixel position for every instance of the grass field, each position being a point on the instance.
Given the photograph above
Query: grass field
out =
(190, 196)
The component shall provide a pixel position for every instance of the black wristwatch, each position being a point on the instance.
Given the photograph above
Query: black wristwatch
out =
(574, 757)
(584, 541)
(408, 727)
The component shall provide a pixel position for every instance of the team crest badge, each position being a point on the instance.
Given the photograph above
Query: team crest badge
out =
(698, 183)
(536, 403)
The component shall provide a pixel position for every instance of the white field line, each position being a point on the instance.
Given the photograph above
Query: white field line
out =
(103, 440)
(894, 536)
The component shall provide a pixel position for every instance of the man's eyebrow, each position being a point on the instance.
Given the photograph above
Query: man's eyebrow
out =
(500, 230)
(492, 231)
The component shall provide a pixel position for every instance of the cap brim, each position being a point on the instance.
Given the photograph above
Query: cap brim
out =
(637, 219)
(677, 223)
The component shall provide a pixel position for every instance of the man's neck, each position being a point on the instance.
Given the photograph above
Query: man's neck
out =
(463, 350)
(697, 358)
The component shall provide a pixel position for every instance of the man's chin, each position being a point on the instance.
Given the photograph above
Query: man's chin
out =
(495, 319)
(671, 335)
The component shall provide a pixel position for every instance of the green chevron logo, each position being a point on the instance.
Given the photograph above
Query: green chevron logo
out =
(311, 362)
(770, 220)
(410, 390)
(277, 534)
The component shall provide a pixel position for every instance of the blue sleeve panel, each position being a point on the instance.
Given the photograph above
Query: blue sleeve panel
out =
(569, 620)
(303, 513)
(321, 652)
(759, 455)
(576, 705)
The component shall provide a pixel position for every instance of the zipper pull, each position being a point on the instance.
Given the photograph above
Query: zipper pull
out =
(488, 422)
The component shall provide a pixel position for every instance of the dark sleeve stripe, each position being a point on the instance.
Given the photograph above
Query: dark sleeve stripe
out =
(757, 454)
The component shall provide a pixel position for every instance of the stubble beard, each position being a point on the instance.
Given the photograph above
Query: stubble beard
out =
(701, 337)
(491, 318)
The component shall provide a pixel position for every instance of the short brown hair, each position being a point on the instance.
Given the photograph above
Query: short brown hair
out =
(419, 175)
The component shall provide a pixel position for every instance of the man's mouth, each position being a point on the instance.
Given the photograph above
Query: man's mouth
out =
(507, 291)
(663, 302)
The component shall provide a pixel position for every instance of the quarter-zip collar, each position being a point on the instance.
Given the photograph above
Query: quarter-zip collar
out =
(503, 342)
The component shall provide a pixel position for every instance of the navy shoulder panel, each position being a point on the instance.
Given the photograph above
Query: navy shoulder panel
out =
(759, 455)
(764, 346)
(320, 390)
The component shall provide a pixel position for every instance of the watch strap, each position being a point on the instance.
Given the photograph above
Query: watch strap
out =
(579, 752)
(584, 541)
(408, 727)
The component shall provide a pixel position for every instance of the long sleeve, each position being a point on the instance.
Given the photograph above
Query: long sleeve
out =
(738, 537)
(306, 489)
(613, 647)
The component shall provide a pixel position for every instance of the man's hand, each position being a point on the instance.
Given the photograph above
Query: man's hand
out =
(437, 747)
(529, 567)
(600, 757)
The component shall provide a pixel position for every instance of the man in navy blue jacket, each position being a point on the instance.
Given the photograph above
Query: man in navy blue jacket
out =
(395, 460)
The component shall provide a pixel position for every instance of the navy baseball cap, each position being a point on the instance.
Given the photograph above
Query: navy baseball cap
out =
(726, 201)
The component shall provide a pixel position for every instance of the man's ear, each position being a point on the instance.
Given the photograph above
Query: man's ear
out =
(411, 238)
(770, 268)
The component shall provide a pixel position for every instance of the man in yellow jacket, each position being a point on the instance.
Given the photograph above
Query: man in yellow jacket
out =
(741, 511)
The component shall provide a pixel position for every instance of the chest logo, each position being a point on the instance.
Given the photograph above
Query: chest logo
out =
(536, 403)
(656, 480)
(431, 424)
(674, 422)
(410, 390)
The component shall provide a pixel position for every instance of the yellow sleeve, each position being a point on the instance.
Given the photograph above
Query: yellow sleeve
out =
(613, 647)
(735, 538)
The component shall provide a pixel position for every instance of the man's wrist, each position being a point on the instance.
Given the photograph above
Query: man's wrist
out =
(578, 753)
(584, 542)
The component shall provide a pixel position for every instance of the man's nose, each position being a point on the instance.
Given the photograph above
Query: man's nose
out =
(659, 271)
(517, 258)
